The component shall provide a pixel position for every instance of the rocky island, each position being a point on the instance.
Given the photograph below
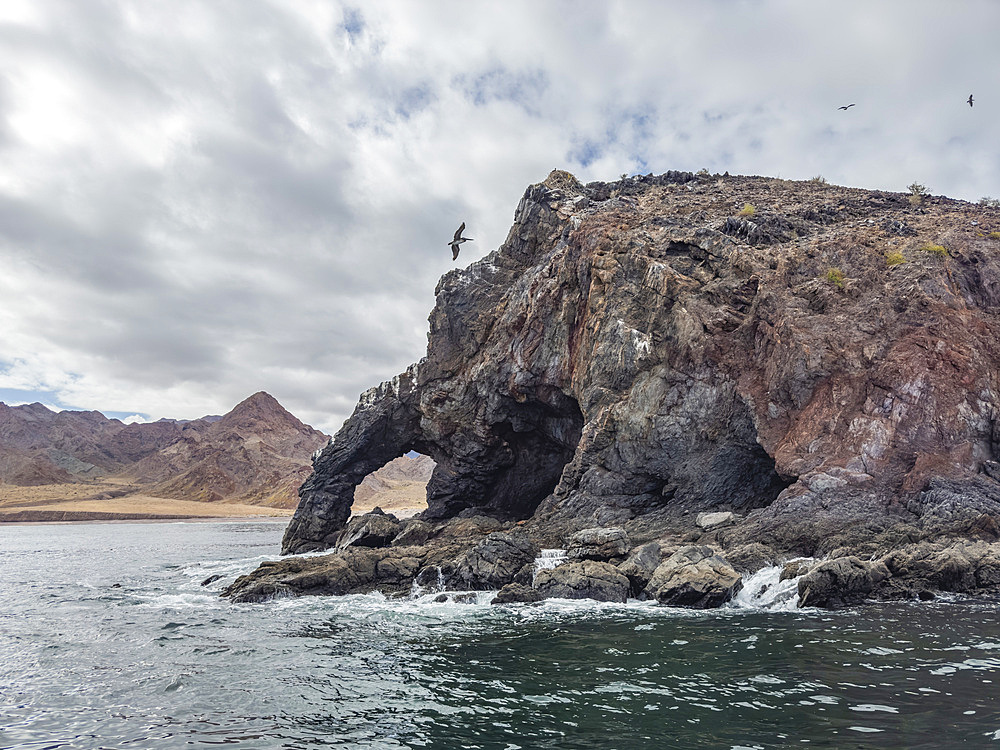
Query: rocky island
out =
(680, 379)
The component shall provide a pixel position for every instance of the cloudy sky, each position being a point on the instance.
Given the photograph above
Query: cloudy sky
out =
(200, 199)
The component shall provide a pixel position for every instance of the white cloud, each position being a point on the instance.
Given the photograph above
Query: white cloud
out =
(199, 201)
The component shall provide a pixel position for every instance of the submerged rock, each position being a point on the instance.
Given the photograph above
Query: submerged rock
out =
(695, 577)
(515, 593)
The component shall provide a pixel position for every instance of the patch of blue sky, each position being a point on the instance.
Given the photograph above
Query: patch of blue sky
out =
(523, 88)
(585, 153)
(52, 401)
(126, 416)
(414, 100)
(17, 396)
(354, 23)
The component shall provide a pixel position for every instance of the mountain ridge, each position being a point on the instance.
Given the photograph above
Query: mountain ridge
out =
(257, 453)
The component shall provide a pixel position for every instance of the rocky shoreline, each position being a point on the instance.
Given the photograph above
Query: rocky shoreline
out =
(739, 370)
(377, 552)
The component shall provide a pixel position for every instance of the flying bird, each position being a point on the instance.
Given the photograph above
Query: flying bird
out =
(458, 240)
(846, 106)
(970, 100)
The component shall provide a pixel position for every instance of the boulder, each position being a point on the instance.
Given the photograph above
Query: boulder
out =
(515, 592)
(586, 579)
(374, 529)
(695, 576)
(413, 531)
(841, 582)
(495, 561)
(640, 565)
(794, 569)
(957, 567)
(714, 520)
(598, 544)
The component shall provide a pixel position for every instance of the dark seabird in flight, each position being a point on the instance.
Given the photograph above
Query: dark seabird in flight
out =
(458, 240)
(846, 107)
(970, 100)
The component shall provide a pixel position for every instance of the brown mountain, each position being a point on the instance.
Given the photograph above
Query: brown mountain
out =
(256, 454)
(399, 485)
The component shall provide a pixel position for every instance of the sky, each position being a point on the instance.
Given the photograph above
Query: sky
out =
(201, 199)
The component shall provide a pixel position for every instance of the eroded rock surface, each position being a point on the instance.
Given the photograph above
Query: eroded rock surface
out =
(695, 576)
(641, 352)
(586, 579)
(598, 544)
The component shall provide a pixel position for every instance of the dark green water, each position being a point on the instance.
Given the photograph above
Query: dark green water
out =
(161, 662)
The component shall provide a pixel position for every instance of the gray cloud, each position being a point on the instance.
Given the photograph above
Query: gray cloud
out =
(199, 200)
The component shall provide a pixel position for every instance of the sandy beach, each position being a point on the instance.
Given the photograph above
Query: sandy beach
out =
(119, 501)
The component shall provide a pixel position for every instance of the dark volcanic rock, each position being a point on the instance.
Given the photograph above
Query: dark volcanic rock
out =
(495, 561)
(374, 529)
(694, 577)
(586, 579)
(840, 582)
(355, 570)
(635, 354)
(640, 566)
(515, 592)
(413, 531)
(598, 544)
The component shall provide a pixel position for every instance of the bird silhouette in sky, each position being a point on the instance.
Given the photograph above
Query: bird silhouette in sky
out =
(970, 100)
(848, 106)
(458, 240)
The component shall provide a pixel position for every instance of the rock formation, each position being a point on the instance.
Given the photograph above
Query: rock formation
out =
(820, 362)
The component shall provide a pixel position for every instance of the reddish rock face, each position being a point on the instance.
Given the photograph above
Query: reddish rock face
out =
(816, 359)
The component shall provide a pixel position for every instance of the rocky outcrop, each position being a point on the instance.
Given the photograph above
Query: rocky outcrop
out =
(517, 593)
(640, 565)
(598, 544)
(840, 582)
(375, 529)
(636, 353)
(586, 579)
(495, 561)
(695, 577)
(820, 362)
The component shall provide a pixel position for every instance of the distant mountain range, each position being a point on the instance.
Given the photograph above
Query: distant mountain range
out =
(257, 454)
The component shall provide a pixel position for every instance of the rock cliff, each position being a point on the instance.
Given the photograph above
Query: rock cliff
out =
(819, 360)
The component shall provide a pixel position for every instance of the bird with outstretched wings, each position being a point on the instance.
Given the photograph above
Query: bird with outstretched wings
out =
(458, 240)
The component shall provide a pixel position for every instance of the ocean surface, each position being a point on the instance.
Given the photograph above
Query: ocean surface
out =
(109, 640)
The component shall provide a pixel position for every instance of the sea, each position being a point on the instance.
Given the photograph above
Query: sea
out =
(108, 639)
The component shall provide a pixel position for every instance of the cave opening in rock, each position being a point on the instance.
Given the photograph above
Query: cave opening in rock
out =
(398, 487)
(744, 475)
(541, 438)
(516, 466)
(722, 466)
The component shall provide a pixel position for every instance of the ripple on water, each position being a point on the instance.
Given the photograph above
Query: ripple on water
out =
(164, 662)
